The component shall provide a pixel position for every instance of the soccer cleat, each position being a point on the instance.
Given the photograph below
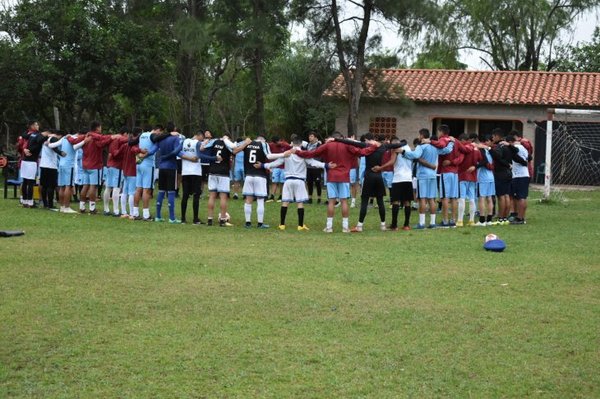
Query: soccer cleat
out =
(444, 225)
(382, 227)
(94, 212)
(235, 196)
(175, 221)
(406, 228)
(137, 218)
(80, 210)
(392, 228)
(106, 213)
(198, 222)
(420, 227)
(356, 229)
(327, 230)
(281, 227)
(270, 199)
(432, 226)
(452, 224)
(480, 224)
(346, 230)
(209, 222)
(471, 223)
(159, 220)
(68, 210)
(489, 223)
(124, 216)
(150, 219)
(263, 226)
(309, 201)
(224, 223)
(248, 225)
(337, 204)
(116, 215)
(518, 221)
(459, 223)
(303, 228)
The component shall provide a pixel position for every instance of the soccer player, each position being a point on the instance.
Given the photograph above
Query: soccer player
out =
(169, 148)
(354, 176)
(192, 157)
(255, 184)
(49, 169)
(314, 176)
(114, 173)
(402, 186)
(219, 180)
(144, 179)
(467, 177)
(486, 189)
(520, 179)
(128, 151)
(66, 172)
(502, 154)
(92, 164)
(30, 145)
(238, 170)
(427, 156)
(448, 169)
(277, 146)
(338, 179)
(22, 142)
(294, 188)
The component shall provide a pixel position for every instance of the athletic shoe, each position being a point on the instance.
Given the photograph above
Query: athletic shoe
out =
(420, 227)
(105, 213)
(209, 222)
(53, 209)
(248, 225)
(406, 228)
(452, 224)
(356, 229)
(135, 217)
(270, 199)
(68, 210)
(150, 219)
(281, 227)
(235, 196)
(94, 212)
(124, 216)
(459, 224)
(392, 229)
(303, 228)
(337, 204)
(279, 200)
(346, 230)
(263, 226)
(444, 225)
(309, 201)
(471, 223)
(198, 222)
(327, 230)
(432, 226)
(505, 222)
(489, 223)
(382, 227)
(80, 210)
(175, 221)
(159, 220)
(480, 224)
(116, 215)
(224, 223)
(518, 221)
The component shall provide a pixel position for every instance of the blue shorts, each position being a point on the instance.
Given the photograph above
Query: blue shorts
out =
(486, 189)
(129, 185)
(114, 177)
(278, 176)
(427, 188)
(338, 190)
(238, 174)
(66, 176)
(353, 176)
(467, 190)
(144, 177)
(520, 187)
(387, 178)
(91, 177)
(449, 185)
(79, 176)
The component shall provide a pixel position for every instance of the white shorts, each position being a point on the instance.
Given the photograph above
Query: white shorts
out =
(218, 184)
(28, 170)
(294, 190)
(255, 186)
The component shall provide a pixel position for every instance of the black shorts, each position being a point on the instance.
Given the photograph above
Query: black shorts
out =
(520, 187)
(314, 174)
(503, 187)
(373, 186)
(205, 172)
(179, 163)
(48, 177)
(402, 192)
(191, 184)
(167, 179)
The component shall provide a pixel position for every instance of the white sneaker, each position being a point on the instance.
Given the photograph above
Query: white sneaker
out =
(68, 210)
(328, 230)
(346, 230)
(479, 224)
(382, 227)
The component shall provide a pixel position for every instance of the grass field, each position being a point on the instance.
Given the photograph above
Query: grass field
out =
(97, 307)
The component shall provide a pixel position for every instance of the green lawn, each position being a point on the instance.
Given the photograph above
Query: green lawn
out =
(92, 306)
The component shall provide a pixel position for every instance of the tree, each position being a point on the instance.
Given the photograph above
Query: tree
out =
(329, 18)
(510, 34)
(585, 57)
(438, 56)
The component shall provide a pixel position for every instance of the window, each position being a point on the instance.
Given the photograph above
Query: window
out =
(383, 125)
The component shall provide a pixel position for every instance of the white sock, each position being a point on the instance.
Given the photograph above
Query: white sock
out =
(248, 212)
(432, 218)
(472, 210)
(115, 199)
(146, 213)
(260, 209)
(330, 223)
(106, 198)
(124, 204)
(345, 223)
(359, 224)
(136, 211)
(92, 205)
(461, 209)
(422, 219)
(82, 205)
(131, 207)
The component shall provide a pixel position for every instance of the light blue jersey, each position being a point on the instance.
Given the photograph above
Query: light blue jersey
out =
(484, 175)
(147, 144)
(68, 161)
(430, 154)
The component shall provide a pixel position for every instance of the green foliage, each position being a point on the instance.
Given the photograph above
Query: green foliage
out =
(438, 56)
(584, 57)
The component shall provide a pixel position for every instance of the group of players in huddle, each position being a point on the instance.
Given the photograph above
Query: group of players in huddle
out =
(493, 170)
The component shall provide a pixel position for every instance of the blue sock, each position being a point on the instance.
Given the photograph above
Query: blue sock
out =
(171, 196)
(159, 200)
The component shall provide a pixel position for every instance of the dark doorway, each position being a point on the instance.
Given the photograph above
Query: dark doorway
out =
(457, 126)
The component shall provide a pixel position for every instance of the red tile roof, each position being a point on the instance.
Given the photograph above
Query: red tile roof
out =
(479, 87)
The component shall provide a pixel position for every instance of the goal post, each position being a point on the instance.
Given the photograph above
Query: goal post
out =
(578, 132)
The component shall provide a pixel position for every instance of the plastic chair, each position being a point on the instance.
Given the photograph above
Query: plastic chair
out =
(11, 178)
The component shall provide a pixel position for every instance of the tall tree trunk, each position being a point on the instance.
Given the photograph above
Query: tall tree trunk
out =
(259, 91)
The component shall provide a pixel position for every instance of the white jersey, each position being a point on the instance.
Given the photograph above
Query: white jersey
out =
(294, 166)
(49, 158)
(402, 168)
(189, 167)
(519, 170)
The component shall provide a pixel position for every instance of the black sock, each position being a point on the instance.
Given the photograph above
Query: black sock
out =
(481, 219)
(300, 216)
(489, 218)
(407, 211)
(395, 210)
(196, 206)
(282, 215)
(184, 201)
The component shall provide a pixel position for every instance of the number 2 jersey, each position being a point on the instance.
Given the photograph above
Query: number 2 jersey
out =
(255, 152)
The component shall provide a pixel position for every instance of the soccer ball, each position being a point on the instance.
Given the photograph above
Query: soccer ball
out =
(491, 237)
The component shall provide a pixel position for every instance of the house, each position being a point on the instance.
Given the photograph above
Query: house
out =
(466, 101)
